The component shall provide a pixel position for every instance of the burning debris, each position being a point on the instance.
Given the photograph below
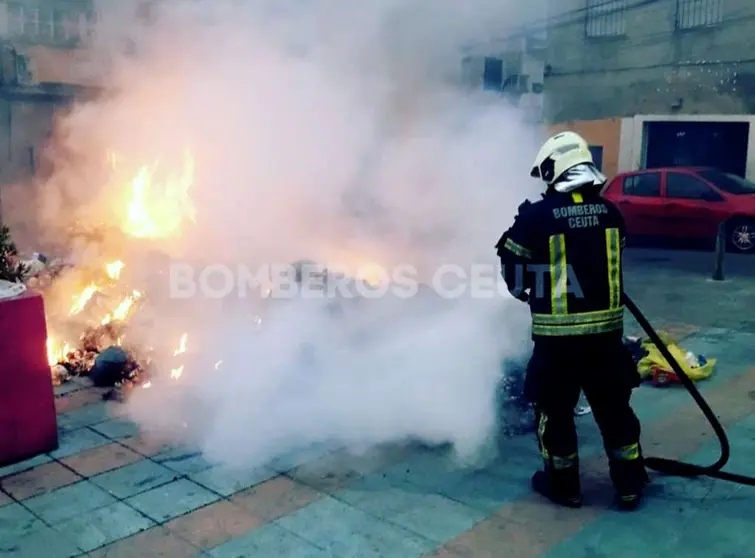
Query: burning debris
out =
(101, 312)
(89, 303)
(98, 352)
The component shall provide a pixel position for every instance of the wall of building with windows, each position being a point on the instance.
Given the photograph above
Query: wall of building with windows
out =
(511, 67)
(49, 36)
(612, 58)
(43, 63)
(60, 23)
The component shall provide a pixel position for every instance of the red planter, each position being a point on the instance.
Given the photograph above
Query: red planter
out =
(28, 425)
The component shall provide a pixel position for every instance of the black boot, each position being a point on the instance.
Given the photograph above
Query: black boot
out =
(629, 478)
(628, 502)
(560, 486)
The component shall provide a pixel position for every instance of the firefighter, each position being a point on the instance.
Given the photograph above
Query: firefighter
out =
(563, 257)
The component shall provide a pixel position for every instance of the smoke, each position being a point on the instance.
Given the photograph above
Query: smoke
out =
(337, 132)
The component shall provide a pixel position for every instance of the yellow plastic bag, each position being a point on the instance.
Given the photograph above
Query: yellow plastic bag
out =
(654, 366)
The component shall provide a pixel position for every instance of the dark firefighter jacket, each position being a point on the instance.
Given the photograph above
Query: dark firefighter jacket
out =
(563, 256)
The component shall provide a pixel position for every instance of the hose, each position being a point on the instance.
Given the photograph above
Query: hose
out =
(679, 468)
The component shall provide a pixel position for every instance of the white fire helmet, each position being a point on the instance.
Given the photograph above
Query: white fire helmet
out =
(559, 154)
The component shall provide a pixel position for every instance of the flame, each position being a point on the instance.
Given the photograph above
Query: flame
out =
(83, 299)
(176, 372)
(218, 364)
(122, 310)
(114, 269)
(155, 204)
(56, 351)
(181, 345)
(158, 208)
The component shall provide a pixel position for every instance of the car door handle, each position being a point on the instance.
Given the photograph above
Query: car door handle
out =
(623, 202)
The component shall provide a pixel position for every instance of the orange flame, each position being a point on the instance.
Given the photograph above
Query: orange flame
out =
(114, 269)
(83, 299)
(159, 205)
(156, 206)
(56, 352)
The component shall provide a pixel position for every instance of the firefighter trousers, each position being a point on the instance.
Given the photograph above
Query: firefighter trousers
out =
(603, 369)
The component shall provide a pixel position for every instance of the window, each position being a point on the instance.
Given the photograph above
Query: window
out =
(46, 24)
(492, 74)
(698, 13)
(59, 24)
(646, 184)
(597, 156)
(15, 20)
(31, 22)
(687, 186)
(606, 18)
(72, 26)
(42, 24)
(729, 183)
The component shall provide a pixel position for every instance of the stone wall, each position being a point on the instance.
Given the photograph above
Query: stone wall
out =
(653, 68)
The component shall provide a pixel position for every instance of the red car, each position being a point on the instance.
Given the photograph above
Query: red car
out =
(686, 203)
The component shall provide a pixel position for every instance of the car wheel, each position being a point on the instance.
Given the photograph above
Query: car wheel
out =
(740, 236)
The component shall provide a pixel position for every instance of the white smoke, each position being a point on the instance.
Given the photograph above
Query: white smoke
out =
(326, 130)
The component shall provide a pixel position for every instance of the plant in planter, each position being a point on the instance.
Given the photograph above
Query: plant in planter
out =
(11, 269)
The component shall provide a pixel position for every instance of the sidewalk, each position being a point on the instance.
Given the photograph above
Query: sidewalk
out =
(677, 286)
(107, 492)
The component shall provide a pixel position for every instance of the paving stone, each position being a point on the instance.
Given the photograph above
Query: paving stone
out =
(77, 399)
(275, 498)
(85, 416)
(76, 500)
(343, 530)
(269, 540)
(101, 459)
(171, 500)
(38, 480)
(156, 542)
(24, 465)
(78, 440)
(143, 444)
(15, 521)
(134, 478)
(42, 542)
(229, 481)
(103, 526)
(182, 460)
(116, 429)
(214, 525)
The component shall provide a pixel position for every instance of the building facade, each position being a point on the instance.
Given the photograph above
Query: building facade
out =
(612, 58)
(47, 35)
(655, 82)
(512, 68)
(42, 70)
(512, 64)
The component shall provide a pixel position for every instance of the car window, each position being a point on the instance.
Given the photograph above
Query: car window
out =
(647, 184)
(729, 183)
(686, 186)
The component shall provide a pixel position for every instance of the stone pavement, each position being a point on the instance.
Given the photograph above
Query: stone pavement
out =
(676, 286)
(109, 492)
